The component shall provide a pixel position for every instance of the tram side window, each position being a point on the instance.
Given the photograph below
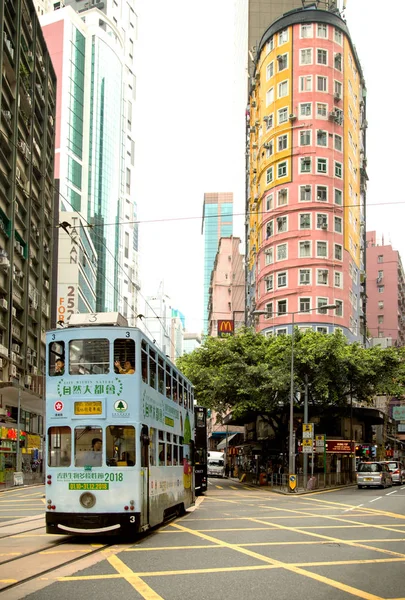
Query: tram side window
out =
(124, 356)
(161, 375)
(144, 362)
(181, 450)
(59, 446)
(89, 449)
(89, 356)
(152, 447)
(120, 446)
(175, 388)
(169, 450)
(181, 398)
(168, 382)
(175, 450)
(56, 358)
(152, 368)
(161, 449)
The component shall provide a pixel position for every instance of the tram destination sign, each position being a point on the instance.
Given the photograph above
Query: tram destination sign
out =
(89, 408)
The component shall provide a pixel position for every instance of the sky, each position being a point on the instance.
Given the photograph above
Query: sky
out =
(190, 139)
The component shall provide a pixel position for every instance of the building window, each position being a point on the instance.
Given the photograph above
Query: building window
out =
(282, 197)
(306, 31)
(269, 148)
(305, 304)
(322, 138)
(321, 302)
(380, 258)
(282, 252)
(269, 121)
(321, 110)
(281, 331)
(321, 329)
(338, 279)
(337, 61)
(304, 249)
(338, 143)
(282, 61)
(321, 193)
(322, 31)
(305, 138)
(380, 319)
(380, 304)
(282, 142)
(283, 37)
(338, 252)
(269, 175)
(281, 307)
(338, 36)
(281, 224)
(282, 115)
(339, 308)
(338, 225)
(322, 276)
(305, 83)
(269, 310)
(322, 249)
(321, 221)
(269, 283)
(305, 109)
(282, 169)
(305, 277)
(282, 279)
(305, 193)
(322, 165)
(128, 181)
(305, 221)
(338, 90)
(338, 169)
(305, 164)
(270, 44)
(321, 56)
(306, 56)
(269, 202)
(322, 83)
(338, 197)
(269, 229)
(270, 96)
(270, 70)
(269, 256)
(380, 289)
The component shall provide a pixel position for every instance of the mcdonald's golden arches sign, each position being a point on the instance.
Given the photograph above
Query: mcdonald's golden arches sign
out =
(225, 327)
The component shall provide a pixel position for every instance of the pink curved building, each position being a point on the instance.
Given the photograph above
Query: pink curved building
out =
(307, 178)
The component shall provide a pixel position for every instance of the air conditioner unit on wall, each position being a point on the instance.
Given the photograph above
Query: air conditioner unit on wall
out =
(13, 371)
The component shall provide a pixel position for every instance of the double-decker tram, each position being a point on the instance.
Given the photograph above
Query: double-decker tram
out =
(120, 430)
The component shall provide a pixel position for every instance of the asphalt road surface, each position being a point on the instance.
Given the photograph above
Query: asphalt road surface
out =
(243, 542)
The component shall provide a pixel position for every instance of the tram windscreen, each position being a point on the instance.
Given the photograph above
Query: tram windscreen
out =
(120, 446)
(59, 446)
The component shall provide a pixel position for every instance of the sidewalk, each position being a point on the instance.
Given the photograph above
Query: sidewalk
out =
(284, 488)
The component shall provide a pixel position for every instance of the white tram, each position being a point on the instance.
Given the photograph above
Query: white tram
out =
(120, 428)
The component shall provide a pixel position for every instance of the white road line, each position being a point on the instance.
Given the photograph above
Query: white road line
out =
(379, 498)
(353, 508)
(389, 494)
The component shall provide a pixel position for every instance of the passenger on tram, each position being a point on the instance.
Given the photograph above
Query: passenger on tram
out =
(128, 368)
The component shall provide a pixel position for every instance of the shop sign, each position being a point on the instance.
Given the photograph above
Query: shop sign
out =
(33, 441)
(338, 446)
(398, 413)
(225, 327)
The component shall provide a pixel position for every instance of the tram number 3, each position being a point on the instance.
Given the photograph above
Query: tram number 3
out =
(132, 519)
(113, 477)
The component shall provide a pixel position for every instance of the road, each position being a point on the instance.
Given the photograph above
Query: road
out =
(240, 542)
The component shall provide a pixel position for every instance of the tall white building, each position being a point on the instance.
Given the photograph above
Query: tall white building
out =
(93, 46)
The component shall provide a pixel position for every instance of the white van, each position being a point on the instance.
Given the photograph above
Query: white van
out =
(216, 464)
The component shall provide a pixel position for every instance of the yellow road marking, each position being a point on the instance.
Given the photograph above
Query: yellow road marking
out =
(320, 578)
(140, 586)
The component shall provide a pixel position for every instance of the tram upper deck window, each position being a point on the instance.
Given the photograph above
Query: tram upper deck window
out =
(144, 361)
(161, 375)
(89, 356)
(57, 358)
(124, 356)
(152, 368)
(168, 381)
(59, 446)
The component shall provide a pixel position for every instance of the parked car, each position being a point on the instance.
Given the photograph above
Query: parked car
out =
(397, 470)
(373, 474)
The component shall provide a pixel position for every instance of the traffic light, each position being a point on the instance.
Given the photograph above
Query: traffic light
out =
(358, 450)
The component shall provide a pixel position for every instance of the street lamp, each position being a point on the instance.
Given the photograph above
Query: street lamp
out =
(291, 452)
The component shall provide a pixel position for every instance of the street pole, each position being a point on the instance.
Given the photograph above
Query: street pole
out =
(291, 461)
(305, 457)
(18, 449)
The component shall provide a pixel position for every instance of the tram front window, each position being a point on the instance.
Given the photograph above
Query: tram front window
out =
(120, 446)
(89, 357)
(88, 446)
(59, 446)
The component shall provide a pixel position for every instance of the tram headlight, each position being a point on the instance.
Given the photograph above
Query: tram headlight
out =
(87, 500)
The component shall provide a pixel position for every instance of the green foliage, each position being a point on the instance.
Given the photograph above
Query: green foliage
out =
(249, 372)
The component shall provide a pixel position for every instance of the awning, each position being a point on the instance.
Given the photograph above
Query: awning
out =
(222, 444)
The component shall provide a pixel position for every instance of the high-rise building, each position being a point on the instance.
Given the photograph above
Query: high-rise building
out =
(27, 147)
(94, 54)
(307, 178)
(226, 305)
(385, 293)
(217, 222)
